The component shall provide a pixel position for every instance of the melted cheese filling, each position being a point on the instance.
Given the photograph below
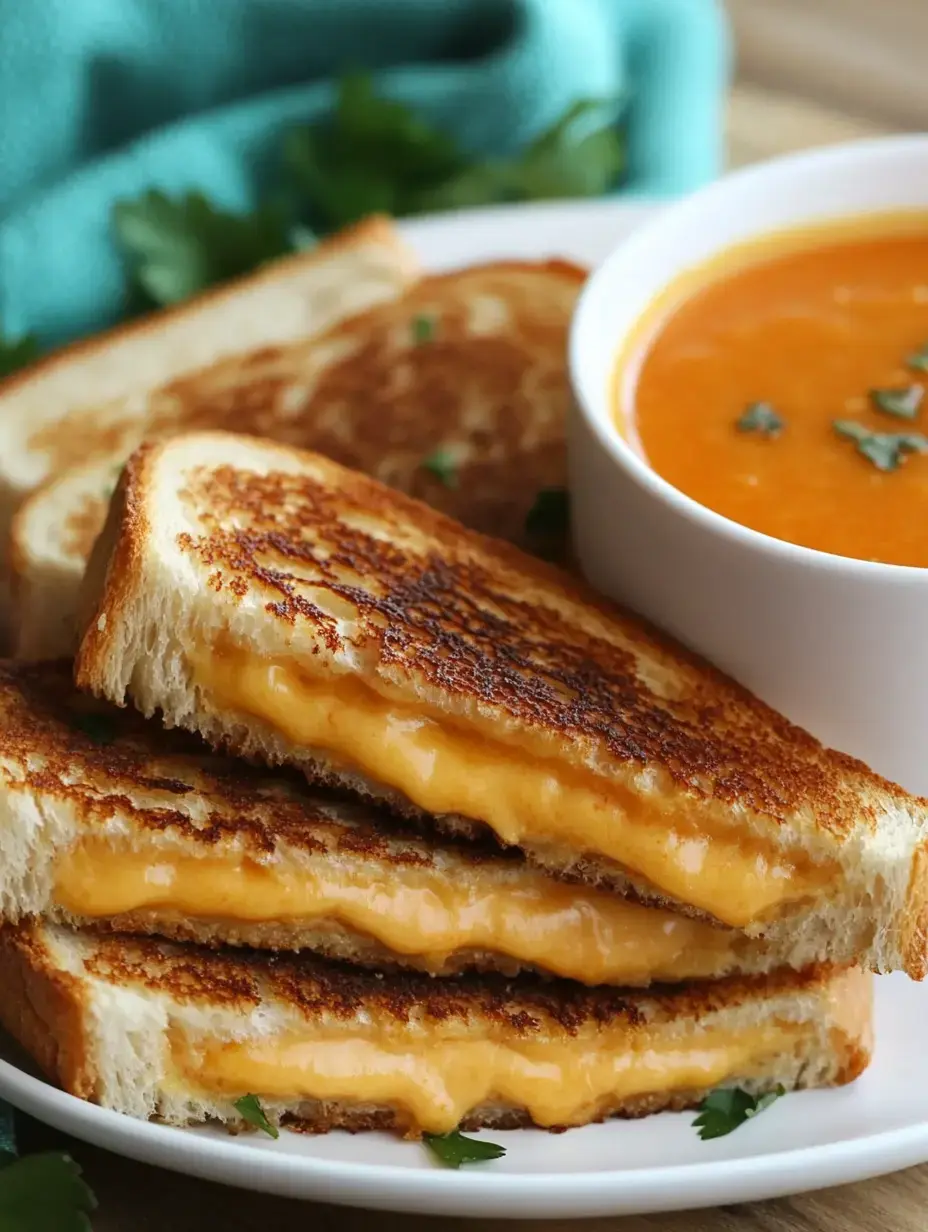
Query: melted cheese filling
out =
(434, 1082)
(591, 936)
(521, 797)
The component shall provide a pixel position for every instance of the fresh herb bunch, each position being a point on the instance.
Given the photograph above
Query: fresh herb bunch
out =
(40, 1193)
(376, 155)
(371, 155)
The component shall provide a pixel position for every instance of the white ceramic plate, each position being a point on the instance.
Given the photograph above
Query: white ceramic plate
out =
(805, 1141)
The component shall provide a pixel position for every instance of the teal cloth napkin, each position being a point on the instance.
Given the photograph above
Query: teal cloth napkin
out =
(103, 99)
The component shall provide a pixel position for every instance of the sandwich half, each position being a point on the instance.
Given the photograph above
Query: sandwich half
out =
(108, 820)
(287, 608)
(455, 391)
(90, 399)
(152, 1029)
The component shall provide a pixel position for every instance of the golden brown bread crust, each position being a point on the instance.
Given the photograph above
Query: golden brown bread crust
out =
(322, 991)
(42, 1008)
(92, 434)
(368, 394)
(456, 611)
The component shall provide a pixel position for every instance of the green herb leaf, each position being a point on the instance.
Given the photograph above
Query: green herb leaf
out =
(100, 728)
(45, 1192)
(423, 329)
(376, 155)
(886, 450)
(178, 247)
(455, 1149)
(550, 514)
(903, 403)
(725, 1109)
(762, 418)
(443, 465)
(918, 360)
(19, 354)
(581, 155)
(372, 155)
(250, 1108)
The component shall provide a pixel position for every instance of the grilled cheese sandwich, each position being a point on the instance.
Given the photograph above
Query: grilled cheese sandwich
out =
(148, 1028)
(109, 821)
(467, 367)
(286, 608)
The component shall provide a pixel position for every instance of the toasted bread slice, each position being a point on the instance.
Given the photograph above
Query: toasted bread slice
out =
(285, 607)
(456, 392)
(151, 1029)
(110, 820)
(88, 400)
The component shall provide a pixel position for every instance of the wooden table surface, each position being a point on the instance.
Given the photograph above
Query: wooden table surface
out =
(767, 116)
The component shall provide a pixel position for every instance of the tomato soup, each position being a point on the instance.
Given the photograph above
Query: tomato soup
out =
(786, 387)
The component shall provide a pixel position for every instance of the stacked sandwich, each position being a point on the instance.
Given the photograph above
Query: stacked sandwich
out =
(516, 793)
(346, 815)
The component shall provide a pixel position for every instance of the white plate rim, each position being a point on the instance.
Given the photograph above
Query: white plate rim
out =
(580, 231)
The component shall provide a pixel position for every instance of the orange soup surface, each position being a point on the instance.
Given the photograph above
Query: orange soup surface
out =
(825, 334)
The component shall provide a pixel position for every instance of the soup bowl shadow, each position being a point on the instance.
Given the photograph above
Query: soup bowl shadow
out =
(840, 646)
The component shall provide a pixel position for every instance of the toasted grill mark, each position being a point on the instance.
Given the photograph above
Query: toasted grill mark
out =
(168, 781)
(491, 386)
(323, 990)
(463, 617)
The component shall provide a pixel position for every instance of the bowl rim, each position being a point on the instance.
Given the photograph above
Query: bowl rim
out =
(602, 425)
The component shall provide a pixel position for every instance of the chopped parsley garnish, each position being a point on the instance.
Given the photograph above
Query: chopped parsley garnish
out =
(886, 450)
(251, 1111)
(443, 465)
(100, 728)
(18, 354)
(762, 418)
(918, 360)
(903, 403)
(455, 1149)
(550, 514)
(423, 329)
(725, 1109)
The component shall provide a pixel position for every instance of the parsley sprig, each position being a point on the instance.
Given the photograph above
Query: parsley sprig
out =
(18, 354)
(176, 248)
(249, 1107)
(455, 1149)
(41, 1192)
(724, 1110)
